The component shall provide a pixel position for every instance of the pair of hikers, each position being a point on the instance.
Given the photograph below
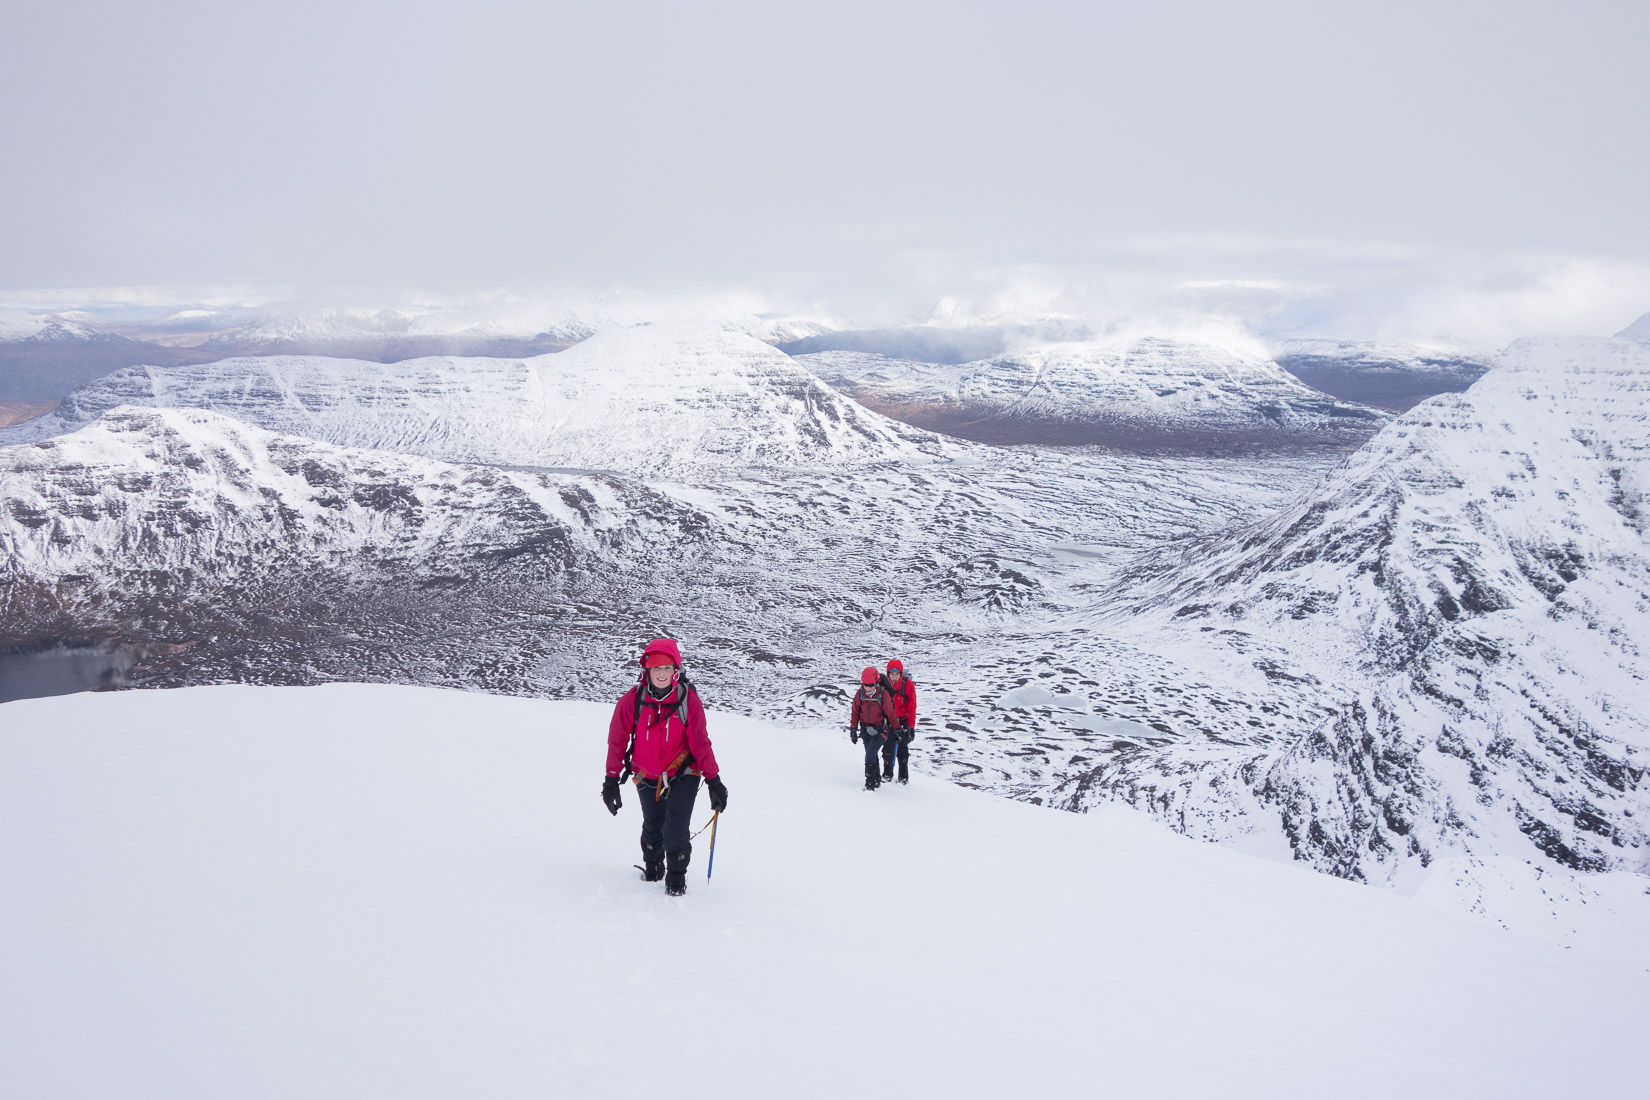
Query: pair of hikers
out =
(884, 716)
(657, 736)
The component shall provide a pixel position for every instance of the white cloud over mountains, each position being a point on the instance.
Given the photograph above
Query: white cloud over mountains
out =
(875, 158)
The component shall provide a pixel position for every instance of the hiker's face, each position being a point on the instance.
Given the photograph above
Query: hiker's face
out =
(895, 676)
(660, 675)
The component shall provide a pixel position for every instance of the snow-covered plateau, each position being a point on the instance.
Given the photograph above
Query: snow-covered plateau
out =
(1419, 666)
(367, 890)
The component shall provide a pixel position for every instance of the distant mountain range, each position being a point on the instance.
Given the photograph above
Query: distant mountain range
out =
(1143, 394)
(43, 357)
(644, 398)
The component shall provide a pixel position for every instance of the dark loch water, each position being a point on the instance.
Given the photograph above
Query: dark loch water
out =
(61, 670)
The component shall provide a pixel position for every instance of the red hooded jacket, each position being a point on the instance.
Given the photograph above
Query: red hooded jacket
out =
(873, 706)
(904, 699)
(660, 742)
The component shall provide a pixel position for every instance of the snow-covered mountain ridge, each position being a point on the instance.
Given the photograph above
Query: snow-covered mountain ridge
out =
(167, 488)
(165, 515)
(646, 398)
(1143, 393)
(1475, 585)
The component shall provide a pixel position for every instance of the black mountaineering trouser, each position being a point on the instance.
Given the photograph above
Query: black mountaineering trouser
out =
(900, 747)
(873, 739)
(666, 820)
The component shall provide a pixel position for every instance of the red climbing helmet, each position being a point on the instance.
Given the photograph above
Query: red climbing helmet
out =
(869, 676)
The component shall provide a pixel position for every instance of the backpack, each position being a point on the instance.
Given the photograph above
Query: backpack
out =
(882, 678)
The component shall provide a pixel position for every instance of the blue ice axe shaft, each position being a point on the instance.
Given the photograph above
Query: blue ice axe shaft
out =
(711, 866)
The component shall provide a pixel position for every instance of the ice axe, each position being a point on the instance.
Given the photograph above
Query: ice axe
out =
(711, 825)
(710, 865)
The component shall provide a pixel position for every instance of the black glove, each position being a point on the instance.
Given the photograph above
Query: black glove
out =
(610, 794)
(907, 735)
(718, 793)
(853, 734)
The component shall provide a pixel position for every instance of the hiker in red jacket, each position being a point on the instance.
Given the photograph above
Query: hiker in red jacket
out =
(872, 717)
(658, 737)
(903, 691)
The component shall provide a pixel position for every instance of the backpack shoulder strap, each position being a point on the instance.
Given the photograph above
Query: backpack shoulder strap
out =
(635, 721)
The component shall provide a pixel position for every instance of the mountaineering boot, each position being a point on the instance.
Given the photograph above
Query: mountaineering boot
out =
(887, 768)
(872, 779)
(676, 876)
(904, 776)
(653, 863)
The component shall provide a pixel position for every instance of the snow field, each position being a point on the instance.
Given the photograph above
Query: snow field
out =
(354, 890)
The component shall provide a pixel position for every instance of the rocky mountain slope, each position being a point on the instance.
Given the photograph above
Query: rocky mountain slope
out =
(1474, 589)
(1148, 393)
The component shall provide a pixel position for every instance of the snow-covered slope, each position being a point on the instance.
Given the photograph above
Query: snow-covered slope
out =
(17, 325)
(1639, 330)
(645, 398)
(356, 890)
(1474, 586)
(1144, 393)
(1389, 376)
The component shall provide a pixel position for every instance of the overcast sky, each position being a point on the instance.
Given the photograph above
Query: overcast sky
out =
(843, 154)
